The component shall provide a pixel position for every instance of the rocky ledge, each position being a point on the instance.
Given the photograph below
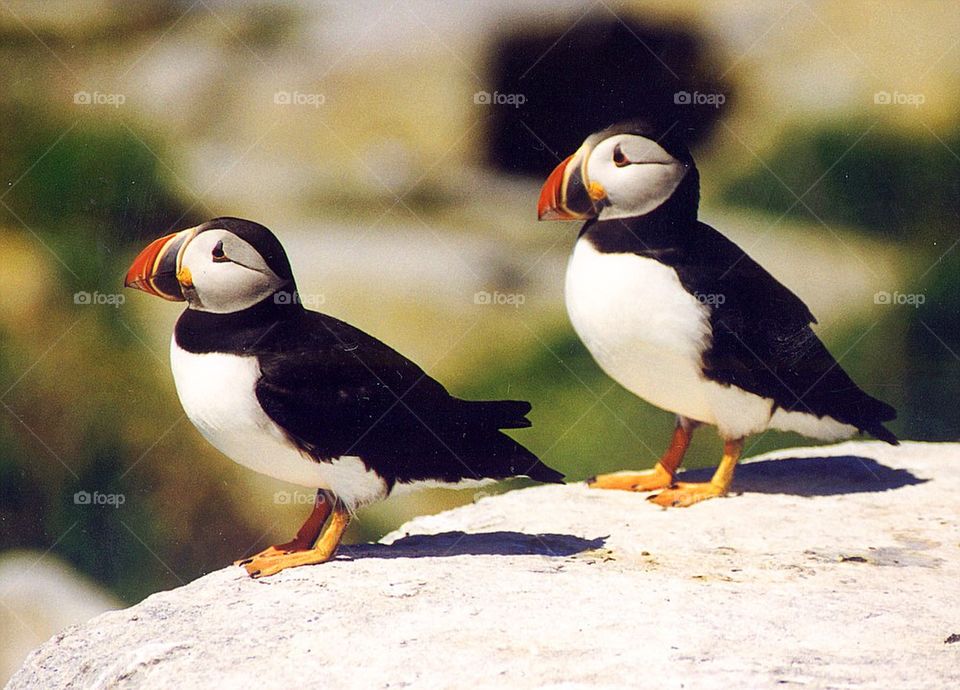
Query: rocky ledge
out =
(829, 567)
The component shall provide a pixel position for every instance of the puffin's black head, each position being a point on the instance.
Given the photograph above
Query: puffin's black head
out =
(224, 265)
(627, 170)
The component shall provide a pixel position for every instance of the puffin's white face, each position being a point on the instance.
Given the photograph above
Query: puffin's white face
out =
(221, 273)
(635, 175)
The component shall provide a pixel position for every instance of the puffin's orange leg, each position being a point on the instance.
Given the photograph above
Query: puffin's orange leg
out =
(322, 551)
(306, 535)
(684, 494)
(662, 474)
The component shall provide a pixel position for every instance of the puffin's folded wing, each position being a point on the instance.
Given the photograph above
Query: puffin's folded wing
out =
(763, 342)
(342, 392)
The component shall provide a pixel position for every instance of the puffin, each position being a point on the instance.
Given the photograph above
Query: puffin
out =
(682, 317)
(308, 399)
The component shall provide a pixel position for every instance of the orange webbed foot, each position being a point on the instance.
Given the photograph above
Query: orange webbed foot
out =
(685, 494)
(263, 566)
(660, 477)
(656, 478)
(274, 559)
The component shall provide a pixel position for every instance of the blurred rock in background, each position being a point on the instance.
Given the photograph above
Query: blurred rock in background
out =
(40, 595)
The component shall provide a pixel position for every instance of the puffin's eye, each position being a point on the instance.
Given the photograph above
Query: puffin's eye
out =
(218, 254)
(619, 159)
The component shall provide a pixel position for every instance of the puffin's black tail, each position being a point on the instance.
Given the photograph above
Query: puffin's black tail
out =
(851, 405)
(835, 394)
(513, 460)
(873, 417)
(499, 414)
(884, 434)
(492, 453)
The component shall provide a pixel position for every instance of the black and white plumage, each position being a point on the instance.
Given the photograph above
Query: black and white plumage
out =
(682, 316)
(304, 397)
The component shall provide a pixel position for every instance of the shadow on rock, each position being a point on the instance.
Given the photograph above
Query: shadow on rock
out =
(828, 476)
(448, 544)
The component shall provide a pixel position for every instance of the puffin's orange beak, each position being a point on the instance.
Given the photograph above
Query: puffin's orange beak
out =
(550, 206)
(565, 195)
(155, 269)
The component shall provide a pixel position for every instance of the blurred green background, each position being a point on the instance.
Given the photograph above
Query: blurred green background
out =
(370, 138)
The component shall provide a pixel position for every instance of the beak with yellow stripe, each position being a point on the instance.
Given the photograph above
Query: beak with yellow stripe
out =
(568, 194)
(158, 269)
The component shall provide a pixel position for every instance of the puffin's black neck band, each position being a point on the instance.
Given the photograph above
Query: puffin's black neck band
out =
(666, 227)
(240, 332)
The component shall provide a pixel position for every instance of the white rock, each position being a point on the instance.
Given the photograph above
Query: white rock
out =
(836, 567)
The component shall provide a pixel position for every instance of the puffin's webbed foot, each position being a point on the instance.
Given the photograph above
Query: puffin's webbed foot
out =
(306, 537)
(323, 551)
(684, 494)
(275, 550)
(657, 478)
(661, 476)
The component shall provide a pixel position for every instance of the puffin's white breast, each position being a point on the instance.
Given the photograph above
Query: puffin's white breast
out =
(217, 391)
(641, 326)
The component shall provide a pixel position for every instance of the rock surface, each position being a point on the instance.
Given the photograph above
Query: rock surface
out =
(835, 567)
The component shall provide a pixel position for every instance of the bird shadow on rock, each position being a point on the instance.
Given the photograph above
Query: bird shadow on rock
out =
(825, 476)
(502, 543)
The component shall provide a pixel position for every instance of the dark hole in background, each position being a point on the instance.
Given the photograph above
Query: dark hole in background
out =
(598, 73)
